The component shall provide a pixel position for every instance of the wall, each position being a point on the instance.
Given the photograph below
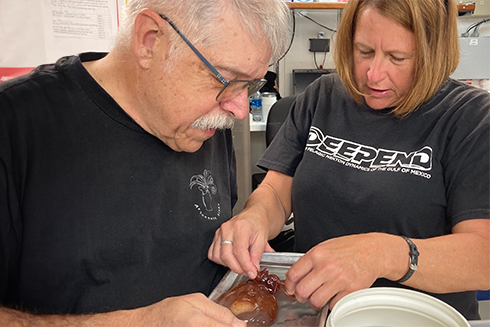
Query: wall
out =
(299, 56)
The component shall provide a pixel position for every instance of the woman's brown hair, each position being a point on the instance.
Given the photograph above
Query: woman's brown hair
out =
(434, 25)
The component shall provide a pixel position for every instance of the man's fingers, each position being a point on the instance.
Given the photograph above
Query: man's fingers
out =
(218, 315)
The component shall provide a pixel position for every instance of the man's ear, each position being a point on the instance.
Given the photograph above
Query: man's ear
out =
(146, 28)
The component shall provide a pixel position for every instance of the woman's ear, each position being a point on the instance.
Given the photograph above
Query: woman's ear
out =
(146, 28)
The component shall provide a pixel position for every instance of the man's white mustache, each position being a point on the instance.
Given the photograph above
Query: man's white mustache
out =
(216, 121)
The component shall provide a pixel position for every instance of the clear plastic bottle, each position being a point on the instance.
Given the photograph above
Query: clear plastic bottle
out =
(256, 106)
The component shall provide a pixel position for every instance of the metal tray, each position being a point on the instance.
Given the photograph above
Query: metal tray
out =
(291, 313)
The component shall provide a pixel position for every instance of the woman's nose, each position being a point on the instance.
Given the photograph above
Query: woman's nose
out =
(377, 69)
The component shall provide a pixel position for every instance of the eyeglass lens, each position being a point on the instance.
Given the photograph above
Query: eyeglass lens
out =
(234, 88)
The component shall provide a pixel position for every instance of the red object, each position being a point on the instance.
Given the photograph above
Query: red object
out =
(253, 300)
(7, 73)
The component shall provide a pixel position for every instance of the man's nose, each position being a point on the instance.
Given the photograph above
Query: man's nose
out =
(237, 106)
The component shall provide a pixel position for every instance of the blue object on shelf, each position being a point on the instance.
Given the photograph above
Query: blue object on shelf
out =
(483, 295)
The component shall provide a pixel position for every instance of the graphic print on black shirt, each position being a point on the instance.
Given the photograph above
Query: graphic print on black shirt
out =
(208, 209)
(368, 158)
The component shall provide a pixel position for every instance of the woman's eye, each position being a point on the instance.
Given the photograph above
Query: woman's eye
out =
(397, 59)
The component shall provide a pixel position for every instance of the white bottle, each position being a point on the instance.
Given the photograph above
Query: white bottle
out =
(268, 99)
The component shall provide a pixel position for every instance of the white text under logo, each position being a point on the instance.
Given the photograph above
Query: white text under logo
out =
(368, 158)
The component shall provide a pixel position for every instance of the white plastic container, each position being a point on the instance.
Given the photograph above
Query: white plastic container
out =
(393, 307)
(268, 99)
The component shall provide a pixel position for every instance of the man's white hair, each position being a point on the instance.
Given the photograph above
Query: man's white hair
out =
(268, 20)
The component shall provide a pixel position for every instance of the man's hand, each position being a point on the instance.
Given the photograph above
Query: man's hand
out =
(187, 310)
(245, 239)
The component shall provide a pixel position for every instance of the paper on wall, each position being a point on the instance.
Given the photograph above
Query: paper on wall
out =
(74, 26)
(34, 32)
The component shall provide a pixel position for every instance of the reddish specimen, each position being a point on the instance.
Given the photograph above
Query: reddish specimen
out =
(254, 300)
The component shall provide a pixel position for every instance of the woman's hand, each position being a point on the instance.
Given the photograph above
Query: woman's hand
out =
(337, 267)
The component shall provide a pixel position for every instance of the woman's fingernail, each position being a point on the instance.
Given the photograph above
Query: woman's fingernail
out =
(250, 275)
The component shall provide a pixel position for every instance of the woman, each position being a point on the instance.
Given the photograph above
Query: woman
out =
(389, 147)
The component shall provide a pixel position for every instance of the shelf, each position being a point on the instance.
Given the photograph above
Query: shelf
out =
(316, 5)
(466, 8)
(463, 8)
(257, 126)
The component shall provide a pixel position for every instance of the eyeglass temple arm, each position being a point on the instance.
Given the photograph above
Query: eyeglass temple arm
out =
(215, 72)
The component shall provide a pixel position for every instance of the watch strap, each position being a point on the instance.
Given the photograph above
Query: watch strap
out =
(414, 260)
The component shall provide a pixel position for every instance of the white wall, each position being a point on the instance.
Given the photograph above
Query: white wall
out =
(299, 56)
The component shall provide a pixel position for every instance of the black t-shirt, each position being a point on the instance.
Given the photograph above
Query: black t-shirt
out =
(96, 214)
(359, 170)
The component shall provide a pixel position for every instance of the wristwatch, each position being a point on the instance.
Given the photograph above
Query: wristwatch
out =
(414, 260)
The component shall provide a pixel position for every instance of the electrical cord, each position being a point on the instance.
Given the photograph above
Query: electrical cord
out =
(323, 63)
(293, 33)
(327, 28)
(314, 21)
(476, 27)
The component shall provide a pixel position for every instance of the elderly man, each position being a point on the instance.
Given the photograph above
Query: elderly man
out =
(116, 169)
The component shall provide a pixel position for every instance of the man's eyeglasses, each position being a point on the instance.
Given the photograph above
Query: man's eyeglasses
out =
(230, 89)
